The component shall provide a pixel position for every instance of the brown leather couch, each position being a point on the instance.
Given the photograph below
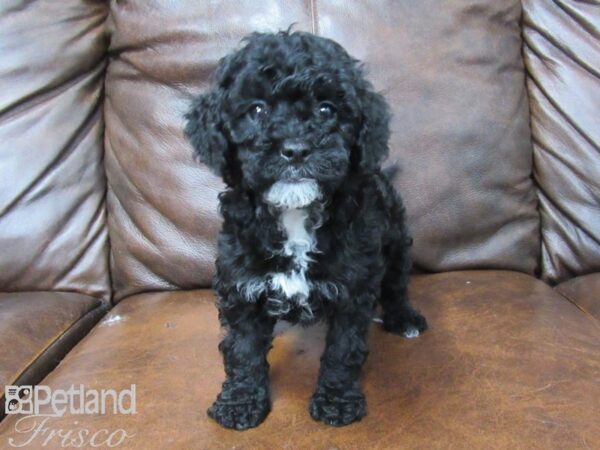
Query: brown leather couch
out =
(103, 208)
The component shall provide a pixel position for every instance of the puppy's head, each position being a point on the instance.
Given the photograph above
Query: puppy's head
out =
(290, 116)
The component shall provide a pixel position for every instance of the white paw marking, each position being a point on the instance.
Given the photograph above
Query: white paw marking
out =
(411, 333)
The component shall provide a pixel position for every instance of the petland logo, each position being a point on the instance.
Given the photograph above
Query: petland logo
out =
(40, 403)
(75, 400)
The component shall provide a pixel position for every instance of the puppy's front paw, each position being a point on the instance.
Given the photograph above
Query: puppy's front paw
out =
(409, 325)
(338, 411)
(240, 416)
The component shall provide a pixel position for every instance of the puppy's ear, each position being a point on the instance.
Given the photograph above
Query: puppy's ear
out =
(374, 133)
(204, 129)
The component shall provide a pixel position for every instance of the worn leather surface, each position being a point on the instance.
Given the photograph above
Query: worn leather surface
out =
(53, 231)
(506, 363)
(456, 84)
(584, 292)
(562, 56)
(31, 324)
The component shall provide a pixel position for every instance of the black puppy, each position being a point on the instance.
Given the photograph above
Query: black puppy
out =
(312, 227)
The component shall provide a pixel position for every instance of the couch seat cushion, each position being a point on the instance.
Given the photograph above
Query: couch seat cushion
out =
(584, 291)
(506, 363)
(37, 329)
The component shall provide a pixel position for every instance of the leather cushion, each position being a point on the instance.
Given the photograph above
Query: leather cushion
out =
(453, 75)
(562, 56)
(52, 183)
(163, 217)
(37, 329)
(506, 363)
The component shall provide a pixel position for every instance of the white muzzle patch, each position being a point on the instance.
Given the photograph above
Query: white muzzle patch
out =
(293, 194)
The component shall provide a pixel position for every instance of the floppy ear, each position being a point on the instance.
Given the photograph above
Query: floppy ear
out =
(204, 129)
(374, 134)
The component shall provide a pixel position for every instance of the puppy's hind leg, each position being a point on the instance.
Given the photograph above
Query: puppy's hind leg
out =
(399, 316)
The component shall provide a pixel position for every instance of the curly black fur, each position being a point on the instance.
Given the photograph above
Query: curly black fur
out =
(294, 110)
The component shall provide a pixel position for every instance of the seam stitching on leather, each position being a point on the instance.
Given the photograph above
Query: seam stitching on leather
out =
(582, 309)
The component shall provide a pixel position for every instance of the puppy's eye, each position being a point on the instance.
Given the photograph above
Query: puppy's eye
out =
(326, 110)
(258, 110)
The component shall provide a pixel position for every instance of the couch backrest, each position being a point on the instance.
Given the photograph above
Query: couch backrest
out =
(53, 233)
(562, 55)
(452, 72)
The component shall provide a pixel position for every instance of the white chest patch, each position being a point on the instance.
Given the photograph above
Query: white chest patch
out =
(291, 288)
(298, 244)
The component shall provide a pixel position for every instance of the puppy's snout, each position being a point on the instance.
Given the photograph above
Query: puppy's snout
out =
(295, 150)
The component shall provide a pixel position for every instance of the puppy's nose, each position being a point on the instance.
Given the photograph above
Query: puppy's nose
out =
(295, 150)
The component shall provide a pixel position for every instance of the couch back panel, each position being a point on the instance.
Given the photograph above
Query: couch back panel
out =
(452, 74)
(53, 233)
(562, 55)
(162, 203)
